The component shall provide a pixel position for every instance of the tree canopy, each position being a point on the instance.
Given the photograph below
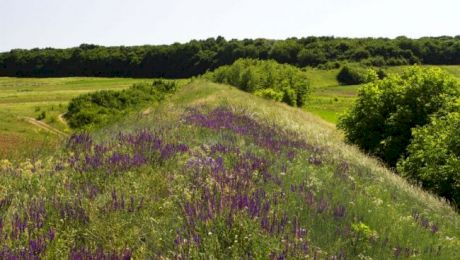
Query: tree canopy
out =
(434, 156)
(268, 79)
(386, 110)
(196, 57)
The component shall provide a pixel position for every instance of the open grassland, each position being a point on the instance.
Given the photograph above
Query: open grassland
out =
(214, 172)
(329, 99)
(24, 99)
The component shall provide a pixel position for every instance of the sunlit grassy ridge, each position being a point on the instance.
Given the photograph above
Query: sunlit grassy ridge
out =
(214, 172)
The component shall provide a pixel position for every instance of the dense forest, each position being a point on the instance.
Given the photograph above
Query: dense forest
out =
(197, 57)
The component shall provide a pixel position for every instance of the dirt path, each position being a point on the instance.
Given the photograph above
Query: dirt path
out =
(44, 126)
(61, 118)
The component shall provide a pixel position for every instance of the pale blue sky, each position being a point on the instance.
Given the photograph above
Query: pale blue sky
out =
(66, 23)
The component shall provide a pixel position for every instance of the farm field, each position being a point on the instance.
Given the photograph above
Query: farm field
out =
(24, 99)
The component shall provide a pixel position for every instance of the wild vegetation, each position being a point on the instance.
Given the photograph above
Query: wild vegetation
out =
(385, 118)
(355, 74)
(216, 172)
(196, 57)
(267, 79)
(23, 100)
(433, 156)
(102, 107)
(205, 170)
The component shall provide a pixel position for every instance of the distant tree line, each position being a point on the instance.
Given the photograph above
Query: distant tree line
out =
(196, 57)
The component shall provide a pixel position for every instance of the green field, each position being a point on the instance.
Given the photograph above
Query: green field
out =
(25, 98)
(313, 196)
(329, 99)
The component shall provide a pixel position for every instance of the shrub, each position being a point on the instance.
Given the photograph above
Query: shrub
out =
(102, 107)
(434, 156)
(269, 94)
(381, 74)
(268, 79)
(41, 116)
(353, 75)
(381, 120)
(330, 65)
(289, 97)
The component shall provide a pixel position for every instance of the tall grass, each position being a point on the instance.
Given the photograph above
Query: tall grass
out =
(217, 173)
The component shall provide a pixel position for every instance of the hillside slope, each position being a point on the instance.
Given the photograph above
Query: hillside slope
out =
(214, 172)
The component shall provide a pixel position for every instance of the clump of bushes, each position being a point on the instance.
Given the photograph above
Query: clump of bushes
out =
(386, 110)
(102, 107)
(267, 79)
(434, 156)
(270, 93)
(41, 116)
(354, 74)
(412, 121)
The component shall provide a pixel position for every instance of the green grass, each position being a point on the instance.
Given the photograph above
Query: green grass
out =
(454, 70)
(322, 78)
(28, 97)
(380, 219)
(329, 99)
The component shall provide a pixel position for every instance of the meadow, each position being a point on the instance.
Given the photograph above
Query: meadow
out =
(329, 99)
(214, 172)
(24, 99)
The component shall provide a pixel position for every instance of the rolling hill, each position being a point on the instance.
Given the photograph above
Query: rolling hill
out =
(214, 172)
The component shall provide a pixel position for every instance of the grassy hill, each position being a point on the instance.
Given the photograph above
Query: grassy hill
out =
(214, 172)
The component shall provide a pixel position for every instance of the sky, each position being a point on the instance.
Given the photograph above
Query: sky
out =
(67, 23)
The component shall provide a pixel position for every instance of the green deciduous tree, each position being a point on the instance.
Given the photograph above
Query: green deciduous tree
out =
(180, 60)
(434, 156)
(354, 74)
(268, 79)
(385, 112)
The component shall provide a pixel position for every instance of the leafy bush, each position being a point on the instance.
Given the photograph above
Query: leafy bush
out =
(41, 116)
(353, 75)
(268, 79)
(381, 73)
(434, 156)
(270, 94)
(385, 111)
(330, 65)
(102, 107)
